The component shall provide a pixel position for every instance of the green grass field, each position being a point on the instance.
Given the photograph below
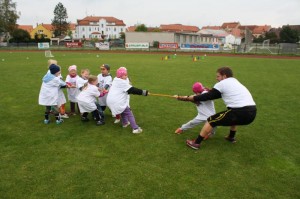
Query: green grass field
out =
(82, 160)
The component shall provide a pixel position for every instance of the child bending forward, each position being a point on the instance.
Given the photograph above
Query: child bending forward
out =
(87, 100)
(205, 109)
(118, 99)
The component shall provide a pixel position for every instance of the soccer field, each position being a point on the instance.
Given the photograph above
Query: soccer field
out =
(82, 160)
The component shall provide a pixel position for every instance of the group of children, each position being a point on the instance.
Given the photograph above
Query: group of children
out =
(91, 94)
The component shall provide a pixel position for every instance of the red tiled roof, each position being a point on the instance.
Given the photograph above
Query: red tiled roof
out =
(261, 29)
(72, 26)
(236, 32)
(48, 26)
(178, 28)
(250, 27)
(230, 25)
(212, 27)
(88, 19)
(96, 33)
(27, 28)
(131, 28)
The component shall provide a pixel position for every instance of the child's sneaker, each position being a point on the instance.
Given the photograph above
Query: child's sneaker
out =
(138, 130)
(232, 140)
(46, 121)
(179, 131)
(72, 113)
(128, 123)
(85, 119)
(100, 123)
(59, 121)
(64, 116)
(117, 121)
(192, 144)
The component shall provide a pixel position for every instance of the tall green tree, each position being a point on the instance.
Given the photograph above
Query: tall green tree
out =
(8, 16)
(141, 28)
(288, 35)
(20, 35)
(60, 24)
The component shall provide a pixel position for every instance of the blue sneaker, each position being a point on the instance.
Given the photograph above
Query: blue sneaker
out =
(46, 121)
(59, 121)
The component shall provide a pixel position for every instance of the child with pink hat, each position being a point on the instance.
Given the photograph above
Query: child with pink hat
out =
(205, 109)
(72, 91)
(118, 99)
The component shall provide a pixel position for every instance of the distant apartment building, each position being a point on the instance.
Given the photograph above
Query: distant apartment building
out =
(99, 27)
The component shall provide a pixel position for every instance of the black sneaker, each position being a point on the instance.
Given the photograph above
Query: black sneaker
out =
(85, 119)
(232, 140)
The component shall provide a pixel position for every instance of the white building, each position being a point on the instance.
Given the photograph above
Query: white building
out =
(99, 27)
(218, 36)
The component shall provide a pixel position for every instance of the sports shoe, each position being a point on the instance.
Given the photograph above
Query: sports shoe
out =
(72, 113)
(128, 123)
(98, 123)
(117, 121)
(179, 131)
(138, 130)
(192, 144)
(64, 116)
(46, 121)
(232, 140)
(59, 121)
(85, 119)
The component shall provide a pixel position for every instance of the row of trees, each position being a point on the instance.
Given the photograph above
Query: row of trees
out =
(9, 17)
(286, 35)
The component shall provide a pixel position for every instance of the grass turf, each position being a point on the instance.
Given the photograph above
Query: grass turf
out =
(82, 160)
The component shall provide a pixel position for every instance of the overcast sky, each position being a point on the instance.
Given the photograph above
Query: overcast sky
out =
(155, 12)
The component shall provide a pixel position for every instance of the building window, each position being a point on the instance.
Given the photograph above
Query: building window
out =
(121, 29)
(82, 28)
(102, 26)
(115, 29)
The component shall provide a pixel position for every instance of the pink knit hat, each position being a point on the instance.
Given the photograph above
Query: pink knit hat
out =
(198, 87)
(73, 67)
(121, 72)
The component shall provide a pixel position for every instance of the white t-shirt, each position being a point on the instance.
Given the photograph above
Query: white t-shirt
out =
(80, 82)
(234, 94)
(104, 80)
(87, 98)
(205, 109)
(117, 97)
(72, 92)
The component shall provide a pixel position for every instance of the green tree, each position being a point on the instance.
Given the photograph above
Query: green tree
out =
(141, 28)
(288, 35)
(8, 17)
(60, 24)
(122, 36)
(272, 36)
(20, 35)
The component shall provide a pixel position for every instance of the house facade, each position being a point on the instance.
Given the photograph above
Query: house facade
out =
(99, 27)
(45, 30)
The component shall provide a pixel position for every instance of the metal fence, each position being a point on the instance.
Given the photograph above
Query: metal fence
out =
(275, 49)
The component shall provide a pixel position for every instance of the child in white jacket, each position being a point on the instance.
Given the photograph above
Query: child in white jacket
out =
(48, 96)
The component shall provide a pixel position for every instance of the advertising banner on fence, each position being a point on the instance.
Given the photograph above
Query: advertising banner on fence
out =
(44, 45)
(137, 45)
(102, 45)
(73, 44)
(168, 45)
(199, 46)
